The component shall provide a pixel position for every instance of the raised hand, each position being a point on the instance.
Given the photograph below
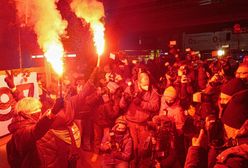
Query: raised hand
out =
(9, 79)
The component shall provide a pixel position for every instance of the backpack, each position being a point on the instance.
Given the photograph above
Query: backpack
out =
(13, 155)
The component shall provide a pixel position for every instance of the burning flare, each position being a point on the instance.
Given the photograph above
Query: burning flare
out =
(44, 18)
(92, 11)
(54, 54)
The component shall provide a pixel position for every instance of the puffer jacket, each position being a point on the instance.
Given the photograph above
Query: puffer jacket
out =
(35, 141)
(36, 145)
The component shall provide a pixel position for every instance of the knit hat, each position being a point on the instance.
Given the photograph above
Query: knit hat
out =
(122, 120)
(233, 86)
(236, 112)
(28, 105)
(170, 92)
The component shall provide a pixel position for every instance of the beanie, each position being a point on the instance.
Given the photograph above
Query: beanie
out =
(28, 105)
(233, 86)
(122, 120)
(170, 92)
(236, 112)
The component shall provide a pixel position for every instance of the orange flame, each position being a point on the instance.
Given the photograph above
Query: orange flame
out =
(54, 54)
(92, 11)
(98, 36)
(45, 19)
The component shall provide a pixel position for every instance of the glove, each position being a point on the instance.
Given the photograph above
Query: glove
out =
(93, 75)
(137, 100)
(58, 105)
(9, 79)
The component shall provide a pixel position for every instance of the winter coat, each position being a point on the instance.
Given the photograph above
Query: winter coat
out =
(107, 112)
(123, 153)
(37, 146)
(147, 106)
(233, 154)
(35, 141)
(236, 157)
(175, 111)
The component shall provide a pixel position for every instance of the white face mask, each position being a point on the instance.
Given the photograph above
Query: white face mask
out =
(145, 88)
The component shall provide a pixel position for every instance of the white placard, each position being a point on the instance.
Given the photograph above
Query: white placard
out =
(27, 85)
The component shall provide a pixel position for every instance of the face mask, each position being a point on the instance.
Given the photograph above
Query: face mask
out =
(145, 88)
(119, 132)
(244, 80)
(169, 103)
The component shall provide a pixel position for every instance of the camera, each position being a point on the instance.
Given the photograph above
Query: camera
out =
(163, 131)
(113, 143)
(201, 97)
(214, 129)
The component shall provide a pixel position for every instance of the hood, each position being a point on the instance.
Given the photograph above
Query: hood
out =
(19, 122)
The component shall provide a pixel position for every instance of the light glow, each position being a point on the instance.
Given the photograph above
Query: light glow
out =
(54, 54)
(220, 53)
(98, 36)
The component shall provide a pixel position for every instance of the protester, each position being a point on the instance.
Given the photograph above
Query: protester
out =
(52, 140)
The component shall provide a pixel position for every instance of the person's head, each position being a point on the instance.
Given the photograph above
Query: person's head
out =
(229, 89)
(242, 72)
(29, 106)
(171, 75)
(183, 70)
(245, 59)
(143, 81)
(120, 125)
(235, 114)
(170, 95)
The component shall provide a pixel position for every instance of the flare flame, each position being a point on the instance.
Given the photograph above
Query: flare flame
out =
(44, 18)
(92, 11)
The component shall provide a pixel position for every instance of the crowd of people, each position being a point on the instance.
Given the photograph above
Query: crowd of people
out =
(174, 111)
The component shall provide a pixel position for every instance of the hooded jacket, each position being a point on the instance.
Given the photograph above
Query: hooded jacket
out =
(35, 141)
(234, 156)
